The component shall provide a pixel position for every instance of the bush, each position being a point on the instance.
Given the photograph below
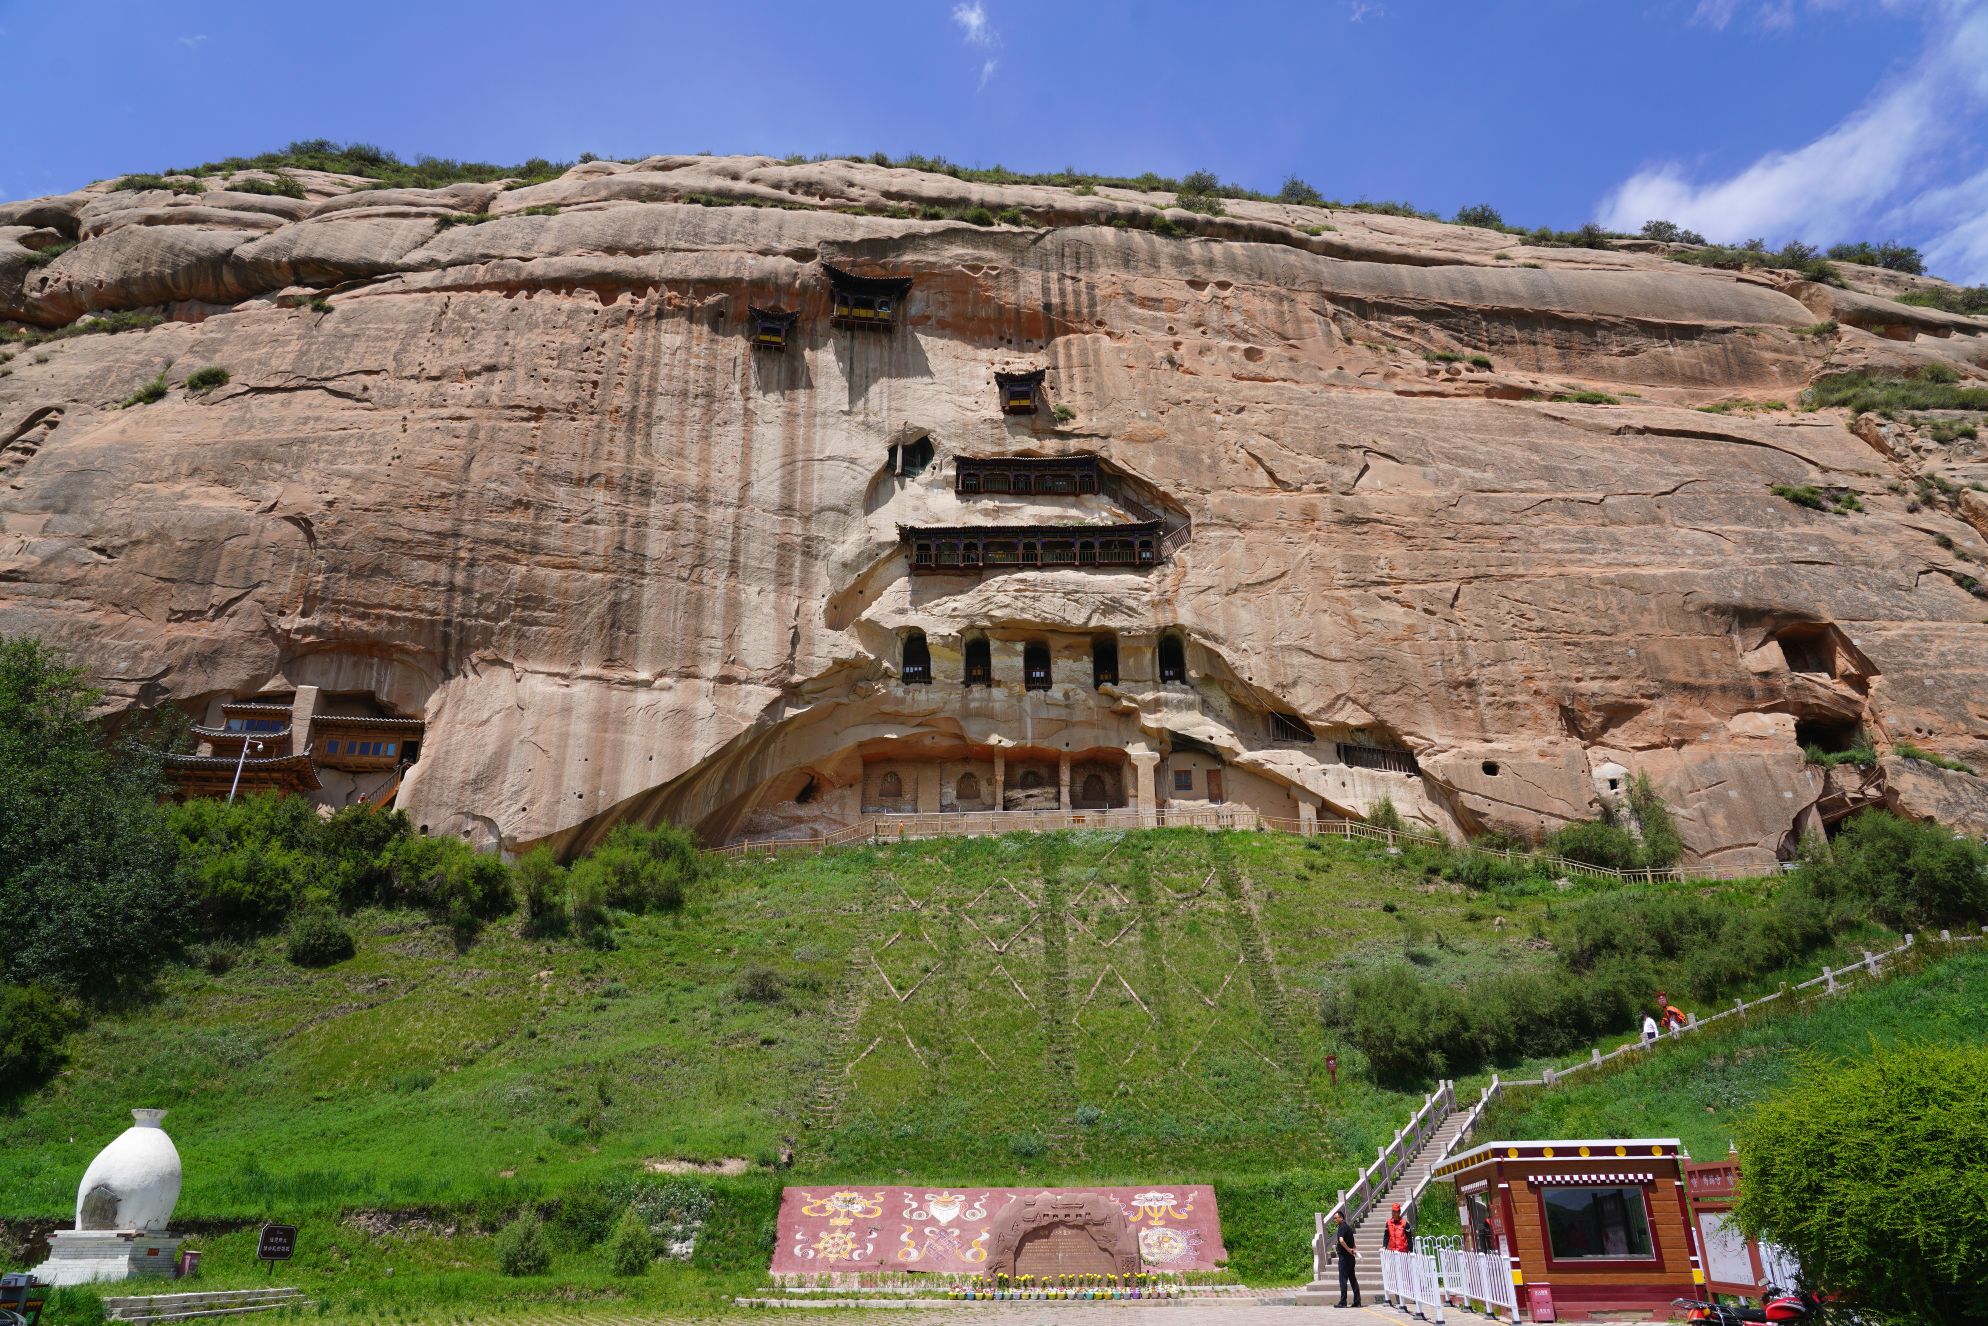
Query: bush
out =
(244, 865)
(978, 216)
(447, 877)
(542, 889)
(207, 379)
(632, 1247)
(1934, 389)
(319, 939)
(587, 913)
(760, 985)
(159, 182)
(643, 870)
(155, 390)
(1661, 844)
(1795, 257)
(89, 910)
(1971, 300)
(1585, 398)
(1063, 414)
(1671, 233)
(586, 1216)
(1908, 874)
(452, 219)
(1299, 193)
(1890, 255)
(1483, 215)
(1886, 1154)
(1595, 843)
(522, 1248)
(33, 1024)
(1383, 815)
(283, 186)
(1166, 226)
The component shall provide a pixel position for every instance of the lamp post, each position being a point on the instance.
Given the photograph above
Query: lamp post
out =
(246, 743)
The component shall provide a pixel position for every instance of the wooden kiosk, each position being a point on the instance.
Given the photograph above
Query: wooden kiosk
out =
(1734, 1263)
(1592, 1227)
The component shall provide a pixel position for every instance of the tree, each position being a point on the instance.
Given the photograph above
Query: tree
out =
(1297, 191)
(1670, 232)
(1482, 215)
(86, 879)
(1875, 1176)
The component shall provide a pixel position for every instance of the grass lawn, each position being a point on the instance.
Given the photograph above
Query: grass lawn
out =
(1032, 1009)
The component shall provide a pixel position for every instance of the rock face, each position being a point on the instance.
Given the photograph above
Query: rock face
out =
(531, 481)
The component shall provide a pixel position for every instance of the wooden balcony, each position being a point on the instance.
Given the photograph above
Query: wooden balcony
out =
(977, 550)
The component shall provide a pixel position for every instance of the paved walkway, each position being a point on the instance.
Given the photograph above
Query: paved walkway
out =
(1196, 1313)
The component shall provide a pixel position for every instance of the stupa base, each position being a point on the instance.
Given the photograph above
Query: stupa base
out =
(87, 1256)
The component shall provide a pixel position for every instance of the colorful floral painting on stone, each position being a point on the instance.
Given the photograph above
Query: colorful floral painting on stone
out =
(945, 1231)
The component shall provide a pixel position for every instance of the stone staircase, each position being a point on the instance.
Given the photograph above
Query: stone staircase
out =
(1369, 1233)
(185, 1307)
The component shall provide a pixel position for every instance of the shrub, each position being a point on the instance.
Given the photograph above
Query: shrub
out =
(542, 889)
(1950, 299)
(1885, 1153)
(1671, 233)
(1026, 1146)
(452, 219)
(1908, 874)
(1934, 389)
(44, 256)
(159, 182)
(319, 939)
(1818, 330)
(33, 1024)
(586, 1215)
(1383, 815)
(109, 322)
(522, 1248)
(759, 985)
(1299, 193)
(283, 186)
(244, 865)
(641, 869)
(352, 847)
(1064, 414)
(207, 379)
(978, 216)
(1890, 255)
(587, 913)
(1482, 215)
(1167, 226)
(1906, 750)
(1661, 844)
(1796, 257)
(543, 209)
(632, 1247)
(1595, 843)
(155, 390)
(318, 304)
(1481, 361)
(447, 877)
(1443, 356)
(89, 910)
(1585, 398)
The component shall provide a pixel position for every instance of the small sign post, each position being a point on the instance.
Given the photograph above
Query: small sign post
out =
(277, 1243)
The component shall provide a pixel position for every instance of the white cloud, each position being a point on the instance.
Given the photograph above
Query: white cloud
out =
(191, 42)
(1363, 9)
(971, 16)
(1878, 166)
(972, 19)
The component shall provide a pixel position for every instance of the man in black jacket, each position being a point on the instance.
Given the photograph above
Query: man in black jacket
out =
(1343, 1241)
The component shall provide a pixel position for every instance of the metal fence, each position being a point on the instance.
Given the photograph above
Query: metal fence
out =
(1482, 1280)
(1411, 1281)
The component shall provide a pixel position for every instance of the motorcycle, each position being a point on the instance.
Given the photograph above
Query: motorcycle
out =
(1787, 1307)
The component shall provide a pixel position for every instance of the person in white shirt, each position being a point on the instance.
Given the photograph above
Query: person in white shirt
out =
(1649, 1029)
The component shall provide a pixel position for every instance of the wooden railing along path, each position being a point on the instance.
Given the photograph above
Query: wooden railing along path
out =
(879, 829)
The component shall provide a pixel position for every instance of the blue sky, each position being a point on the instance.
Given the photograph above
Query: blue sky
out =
(1814, 119)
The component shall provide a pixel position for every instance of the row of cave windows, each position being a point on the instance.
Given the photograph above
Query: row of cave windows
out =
(916, 668)
(891, 787)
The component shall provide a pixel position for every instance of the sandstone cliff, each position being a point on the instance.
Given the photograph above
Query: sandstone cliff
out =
(528, 479)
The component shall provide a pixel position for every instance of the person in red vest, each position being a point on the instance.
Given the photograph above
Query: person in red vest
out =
(1397, 1231)
(1668, 1014)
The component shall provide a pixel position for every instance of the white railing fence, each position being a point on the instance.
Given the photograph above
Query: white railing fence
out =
(1359, 1199)
(1479, 1280)
(1411, 1281)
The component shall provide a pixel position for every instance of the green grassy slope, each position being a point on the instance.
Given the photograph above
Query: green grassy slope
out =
(1088, 1007)
(1694, 1089)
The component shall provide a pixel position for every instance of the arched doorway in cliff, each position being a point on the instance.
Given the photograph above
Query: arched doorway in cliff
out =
(1173, 659)
(1104, 660)
(916, 668)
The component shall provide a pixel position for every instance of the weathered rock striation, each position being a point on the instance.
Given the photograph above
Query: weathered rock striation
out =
(530, 480)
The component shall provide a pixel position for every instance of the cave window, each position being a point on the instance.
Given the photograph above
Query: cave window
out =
(915, 456)
(917, 668)
(969, 788)
(890, 786)
(1614, 784)
(1490, 768)
(1173, 659)
(1289, 727)
(1831, 736)
(1035, 666)
(979, 662)
(1104, 661)
(807, 792)
(1809, 652)
(1094, 789)
(1183, 780)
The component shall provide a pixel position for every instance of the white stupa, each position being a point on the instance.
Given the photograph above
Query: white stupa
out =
(123, 1206)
